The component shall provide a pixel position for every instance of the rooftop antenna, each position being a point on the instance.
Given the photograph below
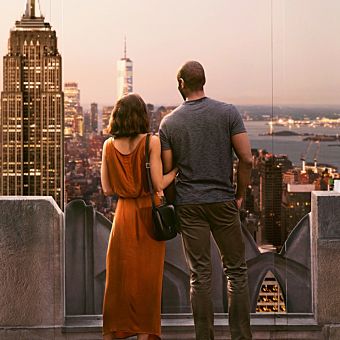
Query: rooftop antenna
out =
(316, 154)
(125, 47)
(30, 9)
(41, 14)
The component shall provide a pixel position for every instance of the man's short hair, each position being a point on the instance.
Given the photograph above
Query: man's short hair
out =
(192, 73)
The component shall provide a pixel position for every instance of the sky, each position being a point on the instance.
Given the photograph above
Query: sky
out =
(255, 52)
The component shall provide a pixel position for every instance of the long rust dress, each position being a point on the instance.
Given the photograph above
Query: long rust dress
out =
(134, 262)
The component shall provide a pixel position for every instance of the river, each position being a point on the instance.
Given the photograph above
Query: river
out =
(294, 146)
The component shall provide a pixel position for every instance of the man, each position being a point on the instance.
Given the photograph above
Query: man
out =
(199, 137)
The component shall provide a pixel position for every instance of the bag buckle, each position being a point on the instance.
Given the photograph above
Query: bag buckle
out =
(147, 165)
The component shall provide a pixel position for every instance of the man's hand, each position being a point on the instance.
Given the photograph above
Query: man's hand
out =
(239, 202)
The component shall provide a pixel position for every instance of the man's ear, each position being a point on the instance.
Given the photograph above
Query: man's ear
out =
(181, 83)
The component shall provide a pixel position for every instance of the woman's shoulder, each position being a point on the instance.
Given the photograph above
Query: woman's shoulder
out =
(109, 140)
(154, 140)
(155, 143)
(107, 144)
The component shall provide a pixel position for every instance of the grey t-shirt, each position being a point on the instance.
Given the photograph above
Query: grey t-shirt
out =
(199, 134)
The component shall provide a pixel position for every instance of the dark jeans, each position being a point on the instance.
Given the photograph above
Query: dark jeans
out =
(196, 222)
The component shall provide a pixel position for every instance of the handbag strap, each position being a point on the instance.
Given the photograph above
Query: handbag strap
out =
(147, 166)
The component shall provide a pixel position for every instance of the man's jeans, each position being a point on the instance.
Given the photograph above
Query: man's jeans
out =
(196, 221)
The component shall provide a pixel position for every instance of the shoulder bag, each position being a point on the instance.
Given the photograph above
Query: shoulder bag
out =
(163, 216)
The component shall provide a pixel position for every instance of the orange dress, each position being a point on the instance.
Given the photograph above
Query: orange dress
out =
(134, 262)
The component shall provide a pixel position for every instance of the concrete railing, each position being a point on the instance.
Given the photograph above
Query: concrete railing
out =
(325, 236)
(32, 276)
(31, 268)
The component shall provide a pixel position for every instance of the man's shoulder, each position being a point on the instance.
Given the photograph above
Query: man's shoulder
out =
(220, 104)
(171, 116)
(176, 111)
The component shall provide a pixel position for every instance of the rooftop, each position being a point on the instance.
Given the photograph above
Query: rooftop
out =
(53, 271)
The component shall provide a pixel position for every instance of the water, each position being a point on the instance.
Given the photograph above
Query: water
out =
(294, 146)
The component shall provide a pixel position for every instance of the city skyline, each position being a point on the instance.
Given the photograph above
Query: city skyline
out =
(232, 40)
(50, 146)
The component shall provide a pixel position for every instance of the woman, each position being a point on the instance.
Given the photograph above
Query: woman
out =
(134, 262)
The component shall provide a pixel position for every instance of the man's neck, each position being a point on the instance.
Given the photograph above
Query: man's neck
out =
(195, 95)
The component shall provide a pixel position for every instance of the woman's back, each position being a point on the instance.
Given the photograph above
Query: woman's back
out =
(134, 265)
(126, 166)
(134, 262)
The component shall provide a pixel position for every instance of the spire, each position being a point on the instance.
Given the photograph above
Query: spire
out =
(32, 18)
(125, 47)
(30, 9)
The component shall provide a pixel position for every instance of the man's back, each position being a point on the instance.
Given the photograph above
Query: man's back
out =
(198, 138)
(199, 134)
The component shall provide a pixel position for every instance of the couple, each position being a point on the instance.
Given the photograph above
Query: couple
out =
(196, 146)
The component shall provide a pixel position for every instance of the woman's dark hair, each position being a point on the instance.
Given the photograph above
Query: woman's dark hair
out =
(129, 117)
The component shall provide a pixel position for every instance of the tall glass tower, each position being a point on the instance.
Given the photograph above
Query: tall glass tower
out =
(125, 75)
(32, 111)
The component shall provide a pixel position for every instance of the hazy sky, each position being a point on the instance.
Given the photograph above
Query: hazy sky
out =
(232, 39)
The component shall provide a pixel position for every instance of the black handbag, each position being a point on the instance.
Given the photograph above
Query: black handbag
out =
(163, 216)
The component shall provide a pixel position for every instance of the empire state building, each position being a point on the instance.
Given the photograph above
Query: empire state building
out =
(32, 114)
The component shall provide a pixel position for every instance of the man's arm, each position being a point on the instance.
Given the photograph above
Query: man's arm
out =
(167, 160)
(242, 149)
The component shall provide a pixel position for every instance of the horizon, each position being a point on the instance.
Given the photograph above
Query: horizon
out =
(86, 106)
(304, 39)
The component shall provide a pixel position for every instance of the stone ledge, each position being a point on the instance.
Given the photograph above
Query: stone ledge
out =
(33, 198)
(181, 326)
(88, 323)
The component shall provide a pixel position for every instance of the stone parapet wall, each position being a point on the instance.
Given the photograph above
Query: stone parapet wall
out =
(32, 275)
(325, 252)
(31, 265)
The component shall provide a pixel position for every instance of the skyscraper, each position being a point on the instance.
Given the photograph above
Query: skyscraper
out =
(73, 111)
(271, 169)
(32, 112)
(94, 117)
(87, 122)
(107, 110)
(125, 75)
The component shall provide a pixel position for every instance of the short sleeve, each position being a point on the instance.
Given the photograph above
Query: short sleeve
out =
(163, 135)
(236, 122)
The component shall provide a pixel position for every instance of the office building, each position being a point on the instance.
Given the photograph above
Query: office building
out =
(271, 169)
(32, 111)
(296, 204)
(74, 119)
(124, 75)
(107, 110)
(94, 117)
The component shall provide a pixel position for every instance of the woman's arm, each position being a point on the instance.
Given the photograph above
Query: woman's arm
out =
(159, 181)
(104, 174)
(167, 161)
